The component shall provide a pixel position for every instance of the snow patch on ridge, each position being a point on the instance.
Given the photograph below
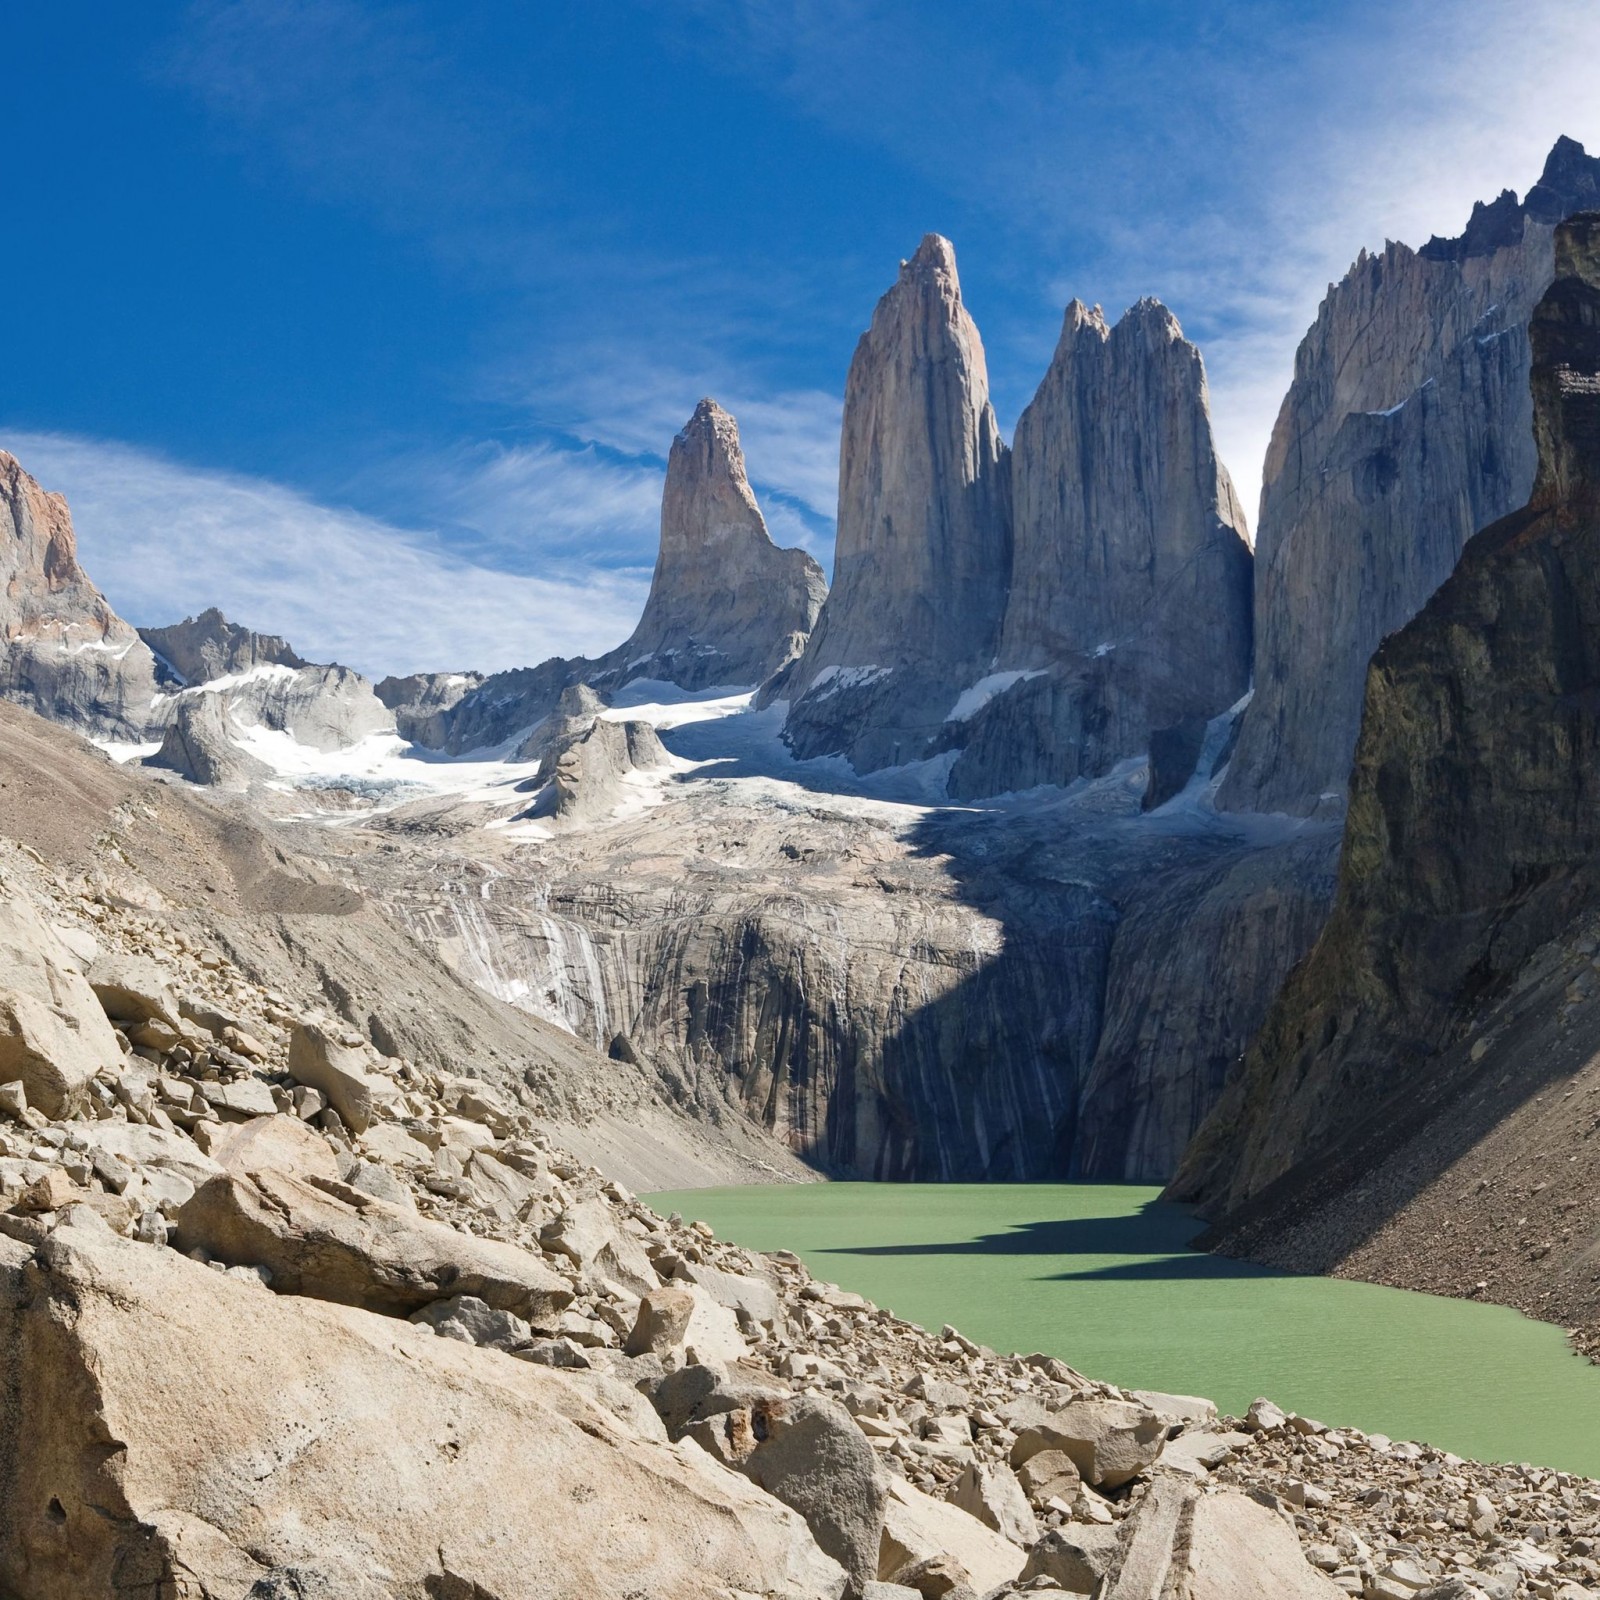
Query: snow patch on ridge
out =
(973, 699)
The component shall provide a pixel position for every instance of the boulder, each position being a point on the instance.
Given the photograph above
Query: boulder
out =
(150, 1149)
(344, 1075)
(1051, 1474)
(662, 1322)
(993, 1495)
(468, 1319)
(134, 989)
(1078, 1558)
(813, 1457)
(697, 1391)
(278, 1143)
(277, 1446)
(330, 1241)
(587, 1233)
(54, 1036)
(1109, 1441)
(917, 1527)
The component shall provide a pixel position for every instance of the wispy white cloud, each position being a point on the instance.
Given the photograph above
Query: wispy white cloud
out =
(165, 540)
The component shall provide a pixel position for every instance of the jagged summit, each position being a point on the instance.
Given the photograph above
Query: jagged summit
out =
(208, 646)
(923, 549)
(1570, 182)
(726, 604)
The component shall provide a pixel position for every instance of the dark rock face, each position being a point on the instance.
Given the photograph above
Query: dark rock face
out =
(1474, 817)
(923, 557)
(63, 651)
(1407, 428)
(201, 648)
(726, 605)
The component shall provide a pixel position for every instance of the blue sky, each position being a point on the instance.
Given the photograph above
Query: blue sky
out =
(372, 322)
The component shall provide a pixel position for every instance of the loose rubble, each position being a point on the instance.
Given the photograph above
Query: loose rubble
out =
(227, 1129)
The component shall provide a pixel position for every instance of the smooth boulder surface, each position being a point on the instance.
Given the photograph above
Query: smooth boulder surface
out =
(318, 1060)
(1109, 1441)
(54, 1035)
(336, 1243)
(270, 1446)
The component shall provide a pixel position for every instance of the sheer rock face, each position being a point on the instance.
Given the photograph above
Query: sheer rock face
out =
(63, 651)
(1473, 827)
(1407, 427)
(726, 605)
(201, 648)
(1130, 586)
(923, 555)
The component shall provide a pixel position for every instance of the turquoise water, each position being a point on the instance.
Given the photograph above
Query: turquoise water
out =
(1099, 1275)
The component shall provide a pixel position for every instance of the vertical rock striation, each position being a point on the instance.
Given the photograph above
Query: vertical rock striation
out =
(726, 604)
(924, 532)
(63, 651)
(1406, 428)
(1474, 820)
(1129, 610)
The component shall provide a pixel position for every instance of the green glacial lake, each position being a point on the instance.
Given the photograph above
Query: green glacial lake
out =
(1099, 1275)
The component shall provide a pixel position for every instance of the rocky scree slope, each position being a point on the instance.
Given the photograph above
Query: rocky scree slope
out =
(465, 1362)
(1406, 429)
(1445, 1003)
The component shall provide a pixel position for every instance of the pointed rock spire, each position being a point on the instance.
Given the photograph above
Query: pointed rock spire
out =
(923, 550)
(726, 604)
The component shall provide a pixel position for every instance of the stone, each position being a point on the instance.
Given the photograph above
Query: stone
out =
(1109, 1441)
(993, 1495)
(662, 1322)
(738, 1291)
(590, 771)
(355, 1090)
(244, 1098)
(586, 1234)
(1407, 429)
(919, 1528)
(726, 605)
(274, 1143)
(149, 1150)
(923, 551)
(1049, 1474)
(811, 1456)
(1078, 1558)
(14, 1099)
(1239, 1550)
(424, 1460)
(134, 989)
(54, 1036)
(201, 743)
(334, 1243)
(49, 1193)
(465, 1317)
(1185, 1408)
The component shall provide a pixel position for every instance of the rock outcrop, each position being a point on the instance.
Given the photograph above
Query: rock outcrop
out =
(726, 605)
(596, 769)
(1472, 832)
(1130, 606)
(1406, 429)
(63, 651)
(201, 743)
(201, 648)
(923, 554)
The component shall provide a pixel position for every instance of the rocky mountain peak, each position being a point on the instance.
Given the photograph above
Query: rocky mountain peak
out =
(208, 646)
(726, 605)
(923, 550)
(1565, 333)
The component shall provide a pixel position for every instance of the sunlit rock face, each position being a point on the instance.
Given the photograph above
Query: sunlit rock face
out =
(726, 605)
(63, 651)
(923, 553)
(1407, 428)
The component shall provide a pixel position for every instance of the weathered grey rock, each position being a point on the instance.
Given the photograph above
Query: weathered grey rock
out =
(917, 1528)
(1050, 1474)
(345, 1446)
(344, 1075)
(208, 646)
(54, 1036)
(811, 1456)
(586, 1232)
(64, 652)
(1078, 1558)
(134, 989)
(662, 1321)
(423, 701)
(465, 1317)
(201, 744)
(1110, 1441)
(593, 770)
(1472, 831)
(993, 1495)
(923, 553)
(726, 605)
(1131, 568)
(334, 1243)
(1406, 429)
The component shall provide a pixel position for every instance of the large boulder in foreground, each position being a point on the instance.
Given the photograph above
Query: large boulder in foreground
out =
(173, 1431)
(335, 1242)
(54, 1036)
(1110, 1442)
